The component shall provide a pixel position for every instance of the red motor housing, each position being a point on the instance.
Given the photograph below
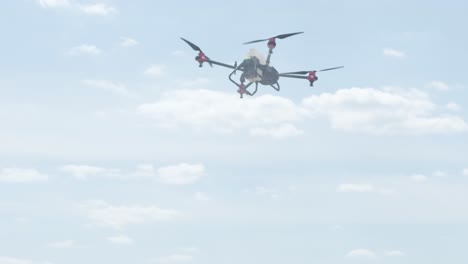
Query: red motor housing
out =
(271, 43)
(201, 58)
(312, 76)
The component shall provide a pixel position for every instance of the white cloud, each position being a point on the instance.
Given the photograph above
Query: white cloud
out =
(383, 111)
(190, 250)
(201, 196)
(453, 106)
(17, 175)
(361, 254)
(438, 85)
(364, 188)
(419, 178)
(85, 49)
(102, 213)
(181, 174)
(389, 52)
(185, 254)
(62, 244)
(196, 83)
(116, 88)
(84, 172)
(222, 112)
(128, 42)
(281, 131)
(264, 191)
(394, 253)
(175, 258)
(439, 174)
(156, 70)
(177, 174)
(99, 9)
(465, 172)
(260, 190)
(359, 188)
(54, 3)
(145, 171)
(10, 260)
(337, 227)
(121, 240)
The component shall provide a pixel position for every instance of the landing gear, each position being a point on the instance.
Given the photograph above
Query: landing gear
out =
(277, 87)
(243, 89)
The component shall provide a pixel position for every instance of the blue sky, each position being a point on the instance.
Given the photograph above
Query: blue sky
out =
(115, 146)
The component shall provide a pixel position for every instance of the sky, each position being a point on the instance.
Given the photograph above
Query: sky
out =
(115, 147)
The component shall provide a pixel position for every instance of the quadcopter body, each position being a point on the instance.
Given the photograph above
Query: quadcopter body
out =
(256, 69)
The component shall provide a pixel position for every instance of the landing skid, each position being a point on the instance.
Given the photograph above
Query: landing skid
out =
(277, 88)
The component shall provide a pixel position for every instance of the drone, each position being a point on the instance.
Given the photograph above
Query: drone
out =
(256, 69)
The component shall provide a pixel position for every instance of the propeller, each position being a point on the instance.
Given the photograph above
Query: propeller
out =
(306, 72)
(196, 48)
(282, 36)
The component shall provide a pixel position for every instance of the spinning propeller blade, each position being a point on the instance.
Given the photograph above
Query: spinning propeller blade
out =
(255, 41)
(306, 72)
(329, 69)
(282, 36)
(194, 47)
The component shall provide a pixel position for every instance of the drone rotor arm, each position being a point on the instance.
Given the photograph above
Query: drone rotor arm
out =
(286, 75)
(298, 72)
(224, 65)
(204, 58)
(307, 72)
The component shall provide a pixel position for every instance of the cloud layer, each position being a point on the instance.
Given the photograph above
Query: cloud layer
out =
(156, 70)
(85, 49)
(361, 253)
(10, 260)
(104, 214)
(359, 110)
(105, 85)
(18, 175)
(121, 240)
(181, 174)
(223, 112)
(390, 52)
(97, 9)
(54, 3)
